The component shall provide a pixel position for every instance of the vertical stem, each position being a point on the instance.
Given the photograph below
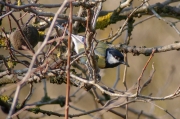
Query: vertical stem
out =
(45, 88)
(124, 82)
(68, 63)
(125, 69)
(117, 77)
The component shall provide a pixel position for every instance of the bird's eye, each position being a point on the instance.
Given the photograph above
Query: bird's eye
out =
(117, 58)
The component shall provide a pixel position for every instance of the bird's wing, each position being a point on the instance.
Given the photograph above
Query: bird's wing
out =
(100, 49)
(79, 38)
(79, 42)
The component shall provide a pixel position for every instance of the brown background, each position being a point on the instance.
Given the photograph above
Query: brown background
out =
(153, 32)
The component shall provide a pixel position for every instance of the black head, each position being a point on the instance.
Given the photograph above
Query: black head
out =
(113, 58)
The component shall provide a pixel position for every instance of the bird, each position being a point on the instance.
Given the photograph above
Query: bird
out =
(17, 40)
(106, 57)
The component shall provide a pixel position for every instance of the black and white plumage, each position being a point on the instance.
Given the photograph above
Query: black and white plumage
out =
(113, 58)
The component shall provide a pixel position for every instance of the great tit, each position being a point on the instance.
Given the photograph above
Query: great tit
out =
(106, 57)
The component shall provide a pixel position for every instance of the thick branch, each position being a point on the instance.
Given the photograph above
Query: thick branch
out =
(147, 51)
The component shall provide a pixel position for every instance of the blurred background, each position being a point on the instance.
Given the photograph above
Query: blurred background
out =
(151, 33)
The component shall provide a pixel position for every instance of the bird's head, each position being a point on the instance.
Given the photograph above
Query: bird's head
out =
(114, 58)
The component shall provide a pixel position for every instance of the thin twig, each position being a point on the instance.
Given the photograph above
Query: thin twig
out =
(117, 77)
(150, 78)
(159, 17)
(68, 63)
(8, 13)
(28, 96)
(163, 109)
(124, 24)
(144, 68)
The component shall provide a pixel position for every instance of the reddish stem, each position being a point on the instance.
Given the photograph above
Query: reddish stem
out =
(68, 63)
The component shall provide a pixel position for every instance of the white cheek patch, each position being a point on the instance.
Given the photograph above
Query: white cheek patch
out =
(111, 59)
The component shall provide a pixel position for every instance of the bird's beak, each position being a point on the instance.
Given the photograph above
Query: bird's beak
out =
(125, 63)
